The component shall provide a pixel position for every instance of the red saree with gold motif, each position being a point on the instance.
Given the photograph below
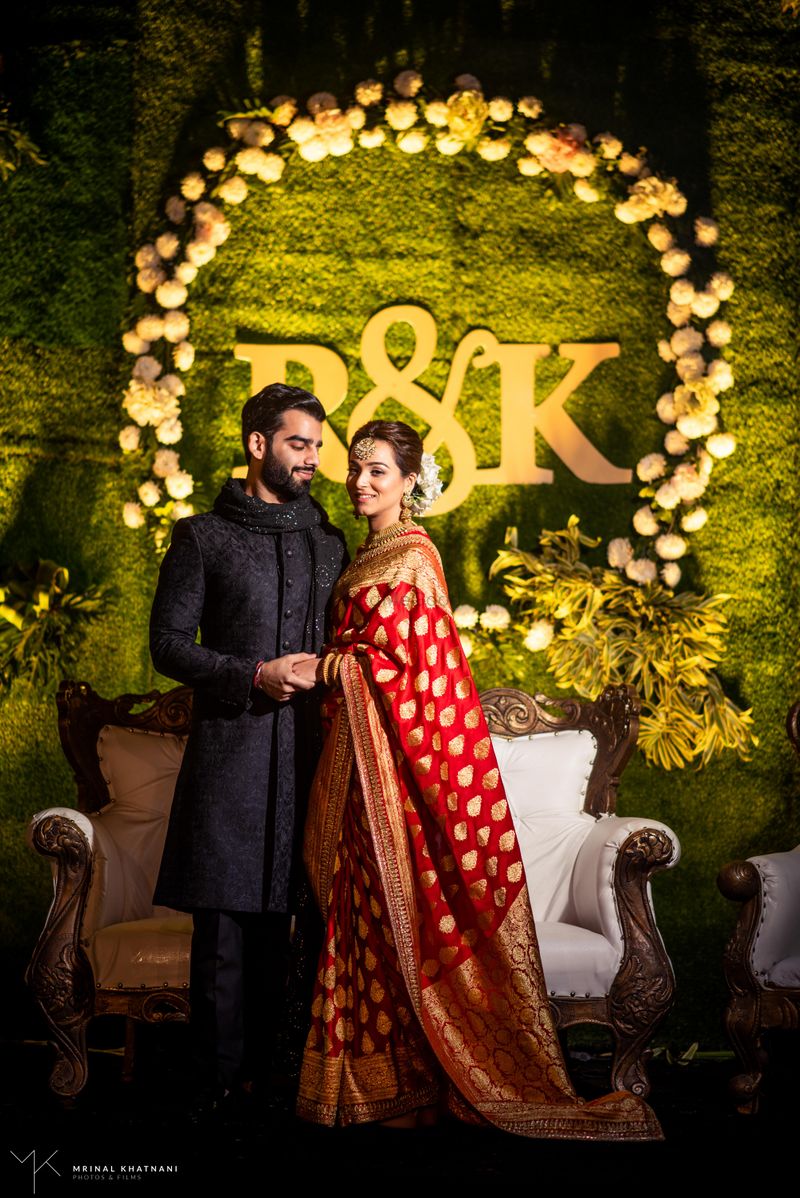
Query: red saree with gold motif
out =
(429, 979)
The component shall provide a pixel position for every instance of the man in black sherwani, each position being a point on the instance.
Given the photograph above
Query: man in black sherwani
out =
(255, 576)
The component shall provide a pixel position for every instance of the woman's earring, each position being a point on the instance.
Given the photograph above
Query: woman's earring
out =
(406, 515)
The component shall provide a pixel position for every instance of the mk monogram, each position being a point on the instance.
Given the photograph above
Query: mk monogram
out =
(520, 416)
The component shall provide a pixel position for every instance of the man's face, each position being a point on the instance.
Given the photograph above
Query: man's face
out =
(290, 462)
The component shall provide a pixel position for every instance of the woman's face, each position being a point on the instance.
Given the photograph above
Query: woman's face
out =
(376, 485)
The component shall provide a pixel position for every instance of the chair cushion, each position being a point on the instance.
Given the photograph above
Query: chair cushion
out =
(575, 961)
(777, 943)
(786, 974)
(140, 770)
(545, 777)
(148, 953)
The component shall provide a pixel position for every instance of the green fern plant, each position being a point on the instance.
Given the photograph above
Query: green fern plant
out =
(609, 630)
(41, 622)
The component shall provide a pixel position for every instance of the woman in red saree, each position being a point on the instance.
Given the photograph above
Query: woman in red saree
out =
(429, 982)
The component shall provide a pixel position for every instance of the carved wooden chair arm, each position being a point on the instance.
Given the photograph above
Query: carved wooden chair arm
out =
(739, 881)
(67, 837)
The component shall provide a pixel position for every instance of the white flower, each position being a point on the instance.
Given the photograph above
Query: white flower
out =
(181, 510)
(645, 522)
(408, 83)
(252, 160)
(179, 485)
(369, 92)
(681, 292)
(314, 150)
(660, 237)
(448, 143)
(496, 618)
(706, 231)
(665, 408)
(697, 424)
(539, 636)
(146, 368)
(129, 438)
(694, 520)
(428, 486)
(193, 186)
(150, 328)
(675, 443)
(665, 351)
(149, 493)
(705, 464)
(176, 326)
(721, 284)
(641, 569)
(168, 245)
(667, 496)
(198, 253)
(582, 164)
(610, 146)
(356, 117)
(149, 403)
(493, 150)
(627, 213)
(584, 191)
(259, 133)
(132, 515)
(148, 279)
(169, 432)
(705, 304)
(165, 463)
(468, 83)
(465, 616)
(302, 130)
(501, 109)
(466, 644)
(133, 343)
(186, 273)
(538, 142)
(436, 113)
(340, 145)
(721, 445)
(233, 190)
(369, 139)
(690, 367)
(678, 314)
(283, 110)
(718, 333)
(175, 209)
(689, 484)
(237, 128)
(212, 232)
(686, 341)
(173, 385)
(171, 294)
(207, 213)
(214, 159)
(675, 262)
(620, 552)
(183, 355)
(720, 375)
(671, 574)
(401, 114)
(630, 164)
(412, 142)
(271, 168)
(321, 102)
(529, 167)
(147, 255)
(669, 546)
(530, 107)
(651, 466)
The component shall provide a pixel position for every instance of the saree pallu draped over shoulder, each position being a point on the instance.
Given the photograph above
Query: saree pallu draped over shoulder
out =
(430, 978)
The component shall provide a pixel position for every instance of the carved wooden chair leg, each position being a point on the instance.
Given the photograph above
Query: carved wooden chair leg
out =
(71, 1067)
(742, 1018)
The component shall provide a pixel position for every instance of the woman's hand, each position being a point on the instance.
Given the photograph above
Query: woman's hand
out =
(308, 672)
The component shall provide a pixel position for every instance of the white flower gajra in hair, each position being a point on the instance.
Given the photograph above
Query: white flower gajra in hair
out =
(428, 486)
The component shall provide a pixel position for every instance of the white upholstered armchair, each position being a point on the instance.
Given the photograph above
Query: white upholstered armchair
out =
(105, 949)
(588, 870)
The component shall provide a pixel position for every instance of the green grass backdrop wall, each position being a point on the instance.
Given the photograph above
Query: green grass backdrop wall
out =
(123, 100)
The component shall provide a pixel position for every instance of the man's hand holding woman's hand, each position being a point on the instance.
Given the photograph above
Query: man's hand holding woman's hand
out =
(284, 676)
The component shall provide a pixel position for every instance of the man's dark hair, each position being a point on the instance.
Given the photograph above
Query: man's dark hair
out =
(263, 413)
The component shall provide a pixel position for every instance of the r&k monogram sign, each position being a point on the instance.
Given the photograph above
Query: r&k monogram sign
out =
(521, 417)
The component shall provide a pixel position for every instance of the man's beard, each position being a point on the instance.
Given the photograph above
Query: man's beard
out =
(282, 482)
